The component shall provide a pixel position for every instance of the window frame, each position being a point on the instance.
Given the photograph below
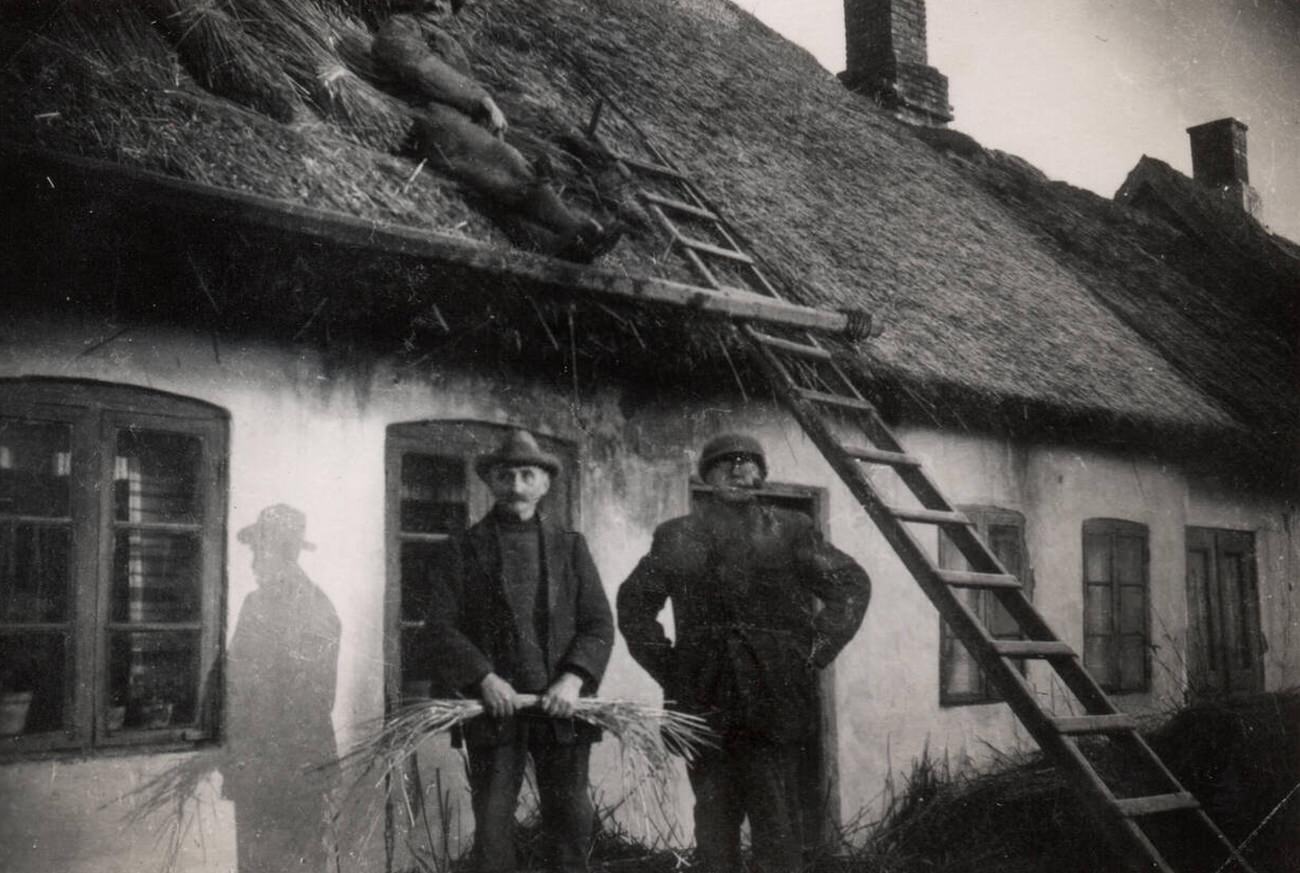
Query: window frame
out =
(465, 439)
(1112, 528)
(95, 413)
(984, 518)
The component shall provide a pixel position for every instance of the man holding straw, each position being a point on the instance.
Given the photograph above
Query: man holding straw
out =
(742, 577)
(518, 608)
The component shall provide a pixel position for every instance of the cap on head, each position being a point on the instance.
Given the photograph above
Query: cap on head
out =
(518, 449)
(279, 523)
(731, 444)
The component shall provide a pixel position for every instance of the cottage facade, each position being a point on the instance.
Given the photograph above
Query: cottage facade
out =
(176, 366)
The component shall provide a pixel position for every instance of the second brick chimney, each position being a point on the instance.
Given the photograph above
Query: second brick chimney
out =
(885, 42)
(1219, 162)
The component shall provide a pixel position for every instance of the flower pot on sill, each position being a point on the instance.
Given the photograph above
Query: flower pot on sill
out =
(116, 718)
(14, 706)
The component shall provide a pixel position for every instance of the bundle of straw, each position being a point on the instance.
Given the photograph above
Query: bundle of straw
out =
(225, 59)
(304, 37)
(650, 736)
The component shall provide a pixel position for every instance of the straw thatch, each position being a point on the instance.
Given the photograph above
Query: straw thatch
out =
(999, 290)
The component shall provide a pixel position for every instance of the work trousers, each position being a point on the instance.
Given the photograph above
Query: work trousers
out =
(755, 780)
(496, 774)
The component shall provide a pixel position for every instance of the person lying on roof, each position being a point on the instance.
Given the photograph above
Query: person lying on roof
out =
(459, 130)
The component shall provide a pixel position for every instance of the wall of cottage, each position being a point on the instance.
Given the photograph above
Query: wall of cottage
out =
(306, 434)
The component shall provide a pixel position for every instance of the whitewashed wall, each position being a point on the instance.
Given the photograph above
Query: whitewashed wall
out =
(309, 435)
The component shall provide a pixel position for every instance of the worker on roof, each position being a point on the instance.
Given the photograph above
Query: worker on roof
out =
(459, 130)
(742, 576)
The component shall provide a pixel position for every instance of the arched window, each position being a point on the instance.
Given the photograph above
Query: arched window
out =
(112, 518)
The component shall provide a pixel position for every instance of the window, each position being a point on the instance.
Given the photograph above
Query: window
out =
(1115, 585)
(1224, 640)
(433, 493)
(112, 513)
(961, 681)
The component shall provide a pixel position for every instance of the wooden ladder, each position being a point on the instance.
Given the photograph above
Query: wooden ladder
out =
(826, 401)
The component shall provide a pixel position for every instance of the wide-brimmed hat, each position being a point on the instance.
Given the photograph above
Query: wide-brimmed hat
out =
(518, 449)
(279, 522)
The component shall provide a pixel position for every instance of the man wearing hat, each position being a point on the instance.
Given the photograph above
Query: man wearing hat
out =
(742, 577)
(516, 608)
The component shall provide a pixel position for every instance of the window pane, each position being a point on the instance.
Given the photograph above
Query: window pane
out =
(1004, 540)
(1132, 663)
(1099, 659)
(153, 679)
(155, 576)
(1132, 610)
(961, 676)
(950, 558)
(156, 477)
(35, 560)
(1198, 582)
(416, 663)
(33, 667)
(1098, 616)
(434, 497)
(35, 463)
(416, 560)
(1096, 558)
(1129, 561)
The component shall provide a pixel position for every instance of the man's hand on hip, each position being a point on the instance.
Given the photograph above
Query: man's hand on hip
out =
(560, 698)
(498, 696)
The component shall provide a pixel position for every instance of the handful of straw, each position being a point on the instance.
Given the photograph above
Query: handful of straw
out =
(650, 736)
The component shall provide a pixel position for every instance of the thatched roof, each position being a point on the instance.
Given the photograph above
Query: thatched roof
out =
(998, 289)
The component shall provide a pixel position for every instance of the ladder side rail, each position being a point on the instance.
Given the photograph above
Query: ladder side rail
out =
(1099, 799)
(1121, 829)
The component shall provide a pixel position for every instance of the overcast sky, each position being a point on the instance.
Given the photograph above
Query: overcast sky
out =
(1083, 88)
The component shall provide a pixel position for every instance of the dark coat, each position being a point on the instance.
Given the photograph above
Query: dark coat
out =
(472, 624)
(742, 578)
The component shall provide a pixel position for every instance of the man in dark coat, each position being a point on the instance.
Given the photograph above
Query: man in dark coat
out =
(518, 608)
(742, 577)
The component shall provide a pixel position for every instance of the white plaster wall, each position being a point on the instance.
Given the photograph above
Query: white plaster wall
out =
(306, 434)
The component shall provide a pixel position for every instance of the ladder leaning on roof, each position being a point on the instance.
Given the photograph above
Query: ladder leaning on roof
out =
(807, 379)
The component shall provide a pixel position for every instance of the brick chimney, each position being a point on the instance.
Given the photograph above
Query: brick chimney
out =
(1219, 162)
(885, 41)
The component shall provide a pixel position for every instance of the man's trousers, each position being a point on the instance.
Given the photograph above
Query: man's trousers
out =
(758, 781)
(496, 774)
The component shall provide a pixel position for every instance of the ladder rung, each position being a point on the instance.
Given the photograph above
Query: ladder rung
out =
(969, 579)
(1135, 806)
(1033, 649)
(1096, 724)
(879, 456)
(836, 400)
(652, 169)
(680, 206)
(931, 516)
(716, 251)
(785, 345)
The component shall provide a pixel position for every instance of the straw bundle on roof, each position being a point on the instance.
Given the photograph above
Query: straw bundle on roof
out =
(224, 58)
(303, 37)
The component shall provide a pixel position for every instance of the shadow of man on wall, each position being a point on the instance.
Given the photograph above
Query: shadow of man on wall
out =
(281, 674)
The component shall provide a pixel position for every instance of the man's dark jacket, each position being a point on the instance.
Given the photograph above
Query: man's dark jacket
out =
(742, 578)
(472, 623)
